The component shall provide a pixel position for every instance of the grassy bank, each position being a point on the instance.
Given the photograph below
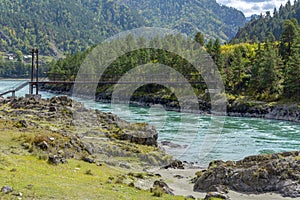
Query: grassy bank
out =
(25, 165)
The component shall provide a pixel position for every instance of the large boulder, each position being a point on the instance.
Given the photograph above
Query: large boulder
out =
(139, 133)
(6, 189)
(255, 174)
(56, 159)
(163, 186)
(144, 138)
(176, 164)
(216, 195)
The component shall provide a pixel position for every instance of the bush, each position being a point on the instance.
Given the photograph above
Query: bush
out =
(158, 192)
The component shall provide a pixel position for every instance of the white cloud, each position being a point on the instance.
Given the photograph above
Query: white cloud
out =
(250, 7)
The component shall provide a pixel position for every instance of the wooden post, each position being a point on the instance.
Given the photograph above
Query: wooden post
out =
(37, 72)
(32, 72)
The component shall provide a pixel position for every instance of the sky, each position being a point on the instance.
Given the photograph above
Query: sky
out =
(250, 7)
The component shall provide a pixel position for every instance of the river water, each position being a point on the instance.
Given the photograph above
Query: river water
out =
(190, 133)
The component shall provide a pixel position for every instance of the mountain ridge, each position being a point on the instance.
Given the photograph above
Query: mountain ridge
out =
(75, 25)
(175, 13)
(259, 27)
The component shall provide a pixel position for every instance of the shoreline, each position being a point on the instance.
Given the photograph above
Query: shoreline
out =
(256, 111)
(179, 180)
(282, 112)
(14, 79)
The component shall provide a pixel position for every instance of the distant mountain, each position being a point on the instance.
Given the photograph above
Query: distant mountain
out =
(69, 25)
(73, 25)
(259, 27)
(252, 17)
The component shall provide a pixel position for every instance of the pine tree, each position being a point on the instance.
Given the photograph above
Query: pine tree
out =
(237, 67)
(209, 46)
(271, 78)
(266, 72)
(292, 78)
(256, 71)
(217, 56)
(199, 38)
(290, 31)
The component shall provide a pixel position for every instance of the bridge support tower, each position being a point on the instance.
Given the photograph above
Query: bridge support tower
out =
(34, 71)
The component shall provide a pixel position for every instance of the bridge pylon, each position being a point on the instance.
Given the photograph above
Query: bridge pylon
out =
(34, 81)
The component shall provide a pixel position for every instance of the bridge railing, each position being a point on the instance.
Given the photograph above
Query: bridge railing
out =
(16, 87)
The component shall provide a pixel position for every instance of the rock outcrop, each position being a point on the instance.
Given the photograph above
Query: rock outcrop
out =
(6, 189)
(278, 173)
(176, 164)
(163, 186)
(64, 109)
(216, 195)
(263, 110)
(69, 130)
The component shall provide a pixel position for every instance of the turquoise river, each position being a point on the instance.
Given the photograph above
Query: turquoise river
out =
(238, 138)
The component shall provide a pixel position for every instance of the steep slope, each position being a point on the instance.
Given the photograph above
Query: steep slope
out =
(259, 28)
(73, 25)
(69, 25)
(191, 16)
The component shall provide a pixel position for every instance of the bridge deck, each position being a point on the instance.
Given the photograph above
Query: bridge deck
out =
(162, 79)
(121, 82)
(13, 90)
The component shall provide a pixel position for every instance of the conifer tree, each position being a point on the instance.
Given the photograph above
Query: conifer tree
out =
(217, 57)
(271, 80)
(199, 38)
(256, 71)
(209, 46)
(292, 78)
(290, 31)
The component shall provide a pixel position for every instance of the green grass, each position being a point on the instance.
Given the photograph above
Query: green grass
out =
(36, 179)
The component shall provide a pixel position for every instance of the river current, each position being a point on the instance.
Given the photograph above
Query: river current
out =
(189, 133)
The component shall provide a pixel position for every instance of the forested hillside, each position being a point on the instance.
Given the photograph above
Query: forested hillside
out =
(259, 27)
(207, 16)
(268, 71)
(67, 26)
(73, 25)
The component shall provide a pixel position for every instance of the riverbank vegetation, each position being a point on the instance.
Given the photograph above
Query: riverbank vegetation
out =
(10, 69)
(265, 71)
(19, 65)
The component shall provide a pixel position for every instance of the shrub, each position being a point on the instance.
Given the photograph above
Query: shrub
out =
(158, 192)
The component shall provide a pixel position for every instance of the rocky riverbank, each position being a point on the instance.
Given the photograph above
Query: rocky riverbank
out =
(55, 139)
(59, 132)
(276, 111)
(279, 173)
(253, 109)
(70, 119)
(235, 108)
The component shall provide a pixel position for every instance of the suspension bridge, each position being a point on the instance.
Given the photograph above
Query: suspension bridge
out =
(70, 79)
(63, 79)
